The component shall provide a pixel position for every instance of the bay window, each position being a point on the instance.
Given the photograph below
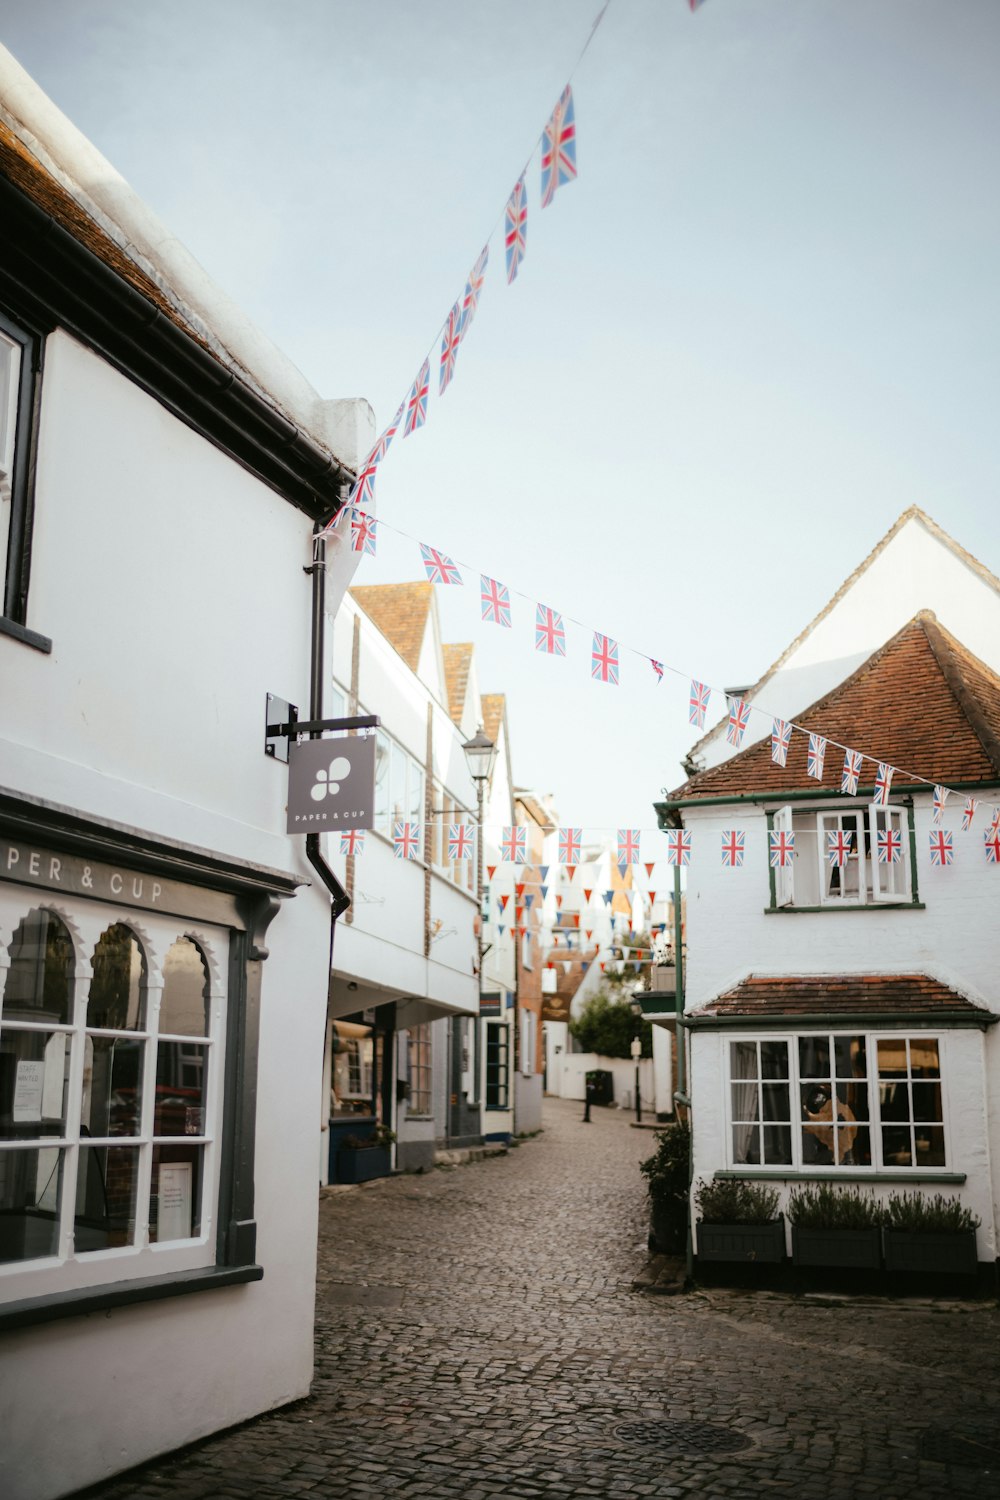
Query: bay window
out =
(836, 1101)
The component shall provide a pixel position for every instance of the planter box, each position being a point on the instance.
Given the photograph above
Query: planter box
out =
(760, 1243)
(362, 1163)
(854, 1249)
(941, 1254)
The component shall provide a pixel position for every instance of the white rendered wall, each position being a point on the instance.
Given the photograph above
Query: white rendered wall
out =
(171, 583)
(915, 570)
(954, 939)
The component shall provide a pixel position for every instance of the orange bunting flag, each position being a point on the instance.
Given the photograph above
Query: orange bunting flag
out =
(652, 897)
(491, 870)
(587, 894)
(559, 901)
(519, 889)
(603, 967)
(570, 872)
(650, 869)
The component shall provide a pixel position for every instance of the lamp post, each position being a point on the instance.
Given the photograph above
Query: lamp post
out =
(636, 1008)
(480, 757)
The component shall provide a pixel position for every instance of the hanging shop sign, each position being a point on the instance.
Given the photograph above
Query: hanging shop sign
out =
(331, 784)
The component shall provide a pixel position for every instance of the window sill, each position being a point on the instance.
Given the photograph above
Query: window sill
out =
(24, 635)
(792, 911)
(32, 1310)
(832, 1174)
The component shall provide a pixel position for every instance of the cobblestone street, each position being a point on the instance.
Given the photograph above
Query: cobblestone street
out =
(477, 1337)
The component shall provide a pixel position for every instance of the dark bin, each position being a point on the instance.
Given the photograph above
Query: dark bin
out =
(600, 1086)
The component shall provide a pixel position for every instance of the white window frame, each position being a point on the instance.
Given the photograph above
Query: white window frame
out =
(406, 802)
(874, 1123)
(877, 884)
(67, 1270)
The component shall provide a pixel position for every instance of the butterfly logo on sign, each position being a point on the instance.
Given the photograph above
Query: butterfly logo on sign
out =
(329, 778)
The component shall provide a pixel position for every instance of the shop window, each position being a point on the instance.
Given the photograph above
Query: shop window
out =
(109, 1101)
(399, 786)
(876, 867)
(353, 1080)
(497, 1065)
(419, 1069)
(836, 1101)
(19, 362)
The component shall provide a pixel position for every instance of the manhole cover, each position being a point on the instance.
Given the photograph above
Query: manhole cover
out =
(967, 1450)
(693, 1437)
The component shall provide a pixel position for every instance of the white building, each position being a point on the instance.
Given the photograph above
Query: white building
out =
(163, 944)
(405, 1048)
(840, 1016)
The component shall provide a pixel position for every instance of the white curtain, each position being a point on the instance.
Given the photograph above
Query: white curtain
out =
(744, 1074)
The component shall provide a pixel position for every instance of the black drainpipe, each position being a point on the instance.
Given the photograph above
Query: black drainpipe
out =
(340, 899)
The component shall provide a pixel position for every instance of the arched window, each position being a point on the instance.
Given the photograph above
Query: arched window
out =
(111, 1101)
(39, 983)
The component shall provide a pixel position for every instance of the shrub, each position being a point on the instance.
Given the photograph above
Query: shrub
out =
(666, 1171)
(827, 1206)
(920, 1215)
(730, 1201)
(606, 1026)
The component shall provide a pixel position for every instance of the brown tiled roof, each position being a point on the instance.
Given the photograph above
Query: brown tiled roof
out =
(763, 995)
(494, 706)
(533, 809)
(914, 513)
(400, 611)
(457, 661)
(922, 703)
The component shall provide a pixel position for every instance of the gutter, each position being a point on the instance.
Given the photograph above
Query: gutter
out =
(665, 810)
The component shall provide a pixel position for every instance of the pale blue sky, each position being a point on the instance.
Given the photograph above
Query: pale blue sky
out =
(764, 321)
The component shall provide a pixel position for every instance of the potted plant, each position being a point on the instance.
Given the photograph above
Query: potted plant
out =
(739, 1221)
(835, 1226)
(930, 1234)
(363, 1157)
(667, 1174)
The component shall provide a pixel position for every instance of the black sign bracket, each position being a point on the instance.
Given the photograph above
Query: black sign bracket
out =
(282, 724)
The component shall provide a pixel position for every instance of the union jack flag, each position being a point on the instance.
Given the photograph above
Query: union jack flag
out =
(570, 840)
(512, 845)
(991, 843)
(657, 668)
(969, 812)
(838, 847)
(782, 847)
(473, 287)
(495, 600)
(406, 840)
(460, 839)
(628, 846)
(995, 823)
(889, 846)
(695, 4)
(940, 798)
(781, 738)
(440, 568)
(942, 847)
(739, 718)
(734, 845)
(352, 841)
(363, 531)
(679, 847)
(698, 703)
(815, 756)
(604, 659)
(851, 773)
(516, 229)
(450, 341)
(883, 781)
(559, 147)
(416, 402)
(549, 633)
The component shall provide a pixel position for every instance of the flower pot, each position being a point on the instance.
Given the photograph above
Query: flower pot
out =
(759, 1243)
(854, 1249)
(949, 1254)
(362, 1163)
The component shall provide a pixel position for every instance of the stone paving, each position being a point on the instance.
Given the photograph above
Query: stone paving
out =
(478, 1338)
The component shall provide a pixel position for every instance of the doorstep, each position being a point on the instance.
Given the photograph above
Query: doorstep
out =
(662, 1274)
(461, 1156)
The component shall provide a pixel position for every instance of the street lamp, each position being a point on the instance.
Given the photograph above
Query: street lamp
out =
(635, 1005)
